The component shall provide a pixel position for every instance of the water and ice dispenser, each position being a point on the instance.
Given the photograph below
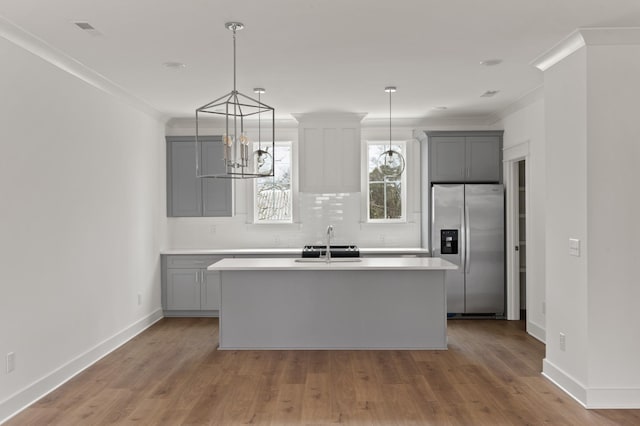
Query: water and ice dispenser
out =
(449, 241)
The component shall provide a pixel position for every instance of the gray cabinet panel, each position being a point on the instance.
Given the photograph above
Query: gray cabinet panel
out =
(185, 189)
(188, 195)
(447, 159)
(188, 289)
(183, 289)
(483, 159)
(210, 296)
(465, 157)
(216, 193)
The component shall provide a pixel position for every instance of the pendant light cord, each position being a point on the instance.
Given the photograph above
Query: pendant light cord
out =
(234, 59)
(390, 92)
(259, 122)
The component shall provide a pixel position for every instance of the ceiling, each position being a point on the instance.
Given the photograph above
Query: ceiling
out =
(319, 55)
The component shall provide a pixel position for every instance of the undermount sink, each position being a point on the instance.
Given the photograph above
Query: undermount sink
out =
(323, 260)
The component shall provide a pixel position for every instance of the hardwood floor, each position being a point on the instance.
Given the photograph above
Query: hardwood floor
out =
(172, 374)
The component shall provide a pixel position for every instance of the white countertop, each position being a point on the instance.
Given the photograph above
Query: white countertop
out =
(374, 263)
(294, 251)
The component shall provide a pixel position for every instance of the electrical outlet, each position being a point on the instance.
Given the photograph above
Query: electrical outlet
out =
(563, 342)
(11, 362)
(213, 229)
(139, 299)
(382, 239)
(574, 247)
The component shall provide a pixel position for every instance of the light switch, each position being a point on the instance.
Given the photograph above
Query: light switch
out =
(574, 247)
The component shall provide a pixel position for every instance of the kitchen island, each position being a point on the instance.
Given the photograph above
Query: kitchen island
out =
(367, 303)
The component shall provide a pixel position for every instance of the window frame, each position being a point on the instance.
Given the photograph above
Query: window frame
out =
(254, 191)
(403, 182)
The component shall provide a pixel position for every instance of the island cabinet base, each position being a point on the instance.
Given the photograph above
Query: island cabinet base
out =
(333, 309)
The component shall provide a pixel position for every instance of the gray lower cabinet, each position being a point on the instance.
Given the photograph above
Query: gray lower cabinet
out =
(188, 195)
(188, 289)
(456, 157)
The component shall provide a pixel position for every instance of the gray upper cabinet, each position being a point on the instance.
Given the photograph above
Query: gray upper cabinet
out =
(447, 158)
(188, 195)
(465, 156)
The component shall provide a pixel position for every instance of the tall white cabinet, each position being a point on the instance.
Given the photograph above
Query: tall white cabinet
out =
(330, 152)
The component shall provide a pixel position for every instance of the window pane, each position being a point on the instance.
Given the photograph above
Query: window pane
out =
(394, 200)
(272, 199)
(376, 201)
(385, 195)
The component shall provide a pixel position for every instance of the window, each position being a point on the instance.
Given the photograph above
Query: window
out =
(272, 196)
(386, 198)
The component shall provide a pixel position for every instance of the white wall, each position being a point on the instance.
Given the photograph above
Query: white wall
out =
(613, 206)
(592, 176)
(526, 126)
(81, 223)
(566, 120)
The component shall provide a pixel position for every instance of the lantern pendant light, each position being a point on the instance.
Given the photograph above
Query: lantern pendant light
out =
(238, 163)
(391, 163)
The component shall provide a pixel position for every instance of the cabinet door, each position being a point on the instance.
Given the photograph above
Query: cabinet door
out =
(329, 152)
(183, 289)
(447, 158)
(210, 291)
(184, 195)
(216, 193)
(483, 159)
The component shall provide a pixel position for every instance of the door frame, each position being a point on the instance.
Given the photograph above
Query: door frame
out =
(510, 158)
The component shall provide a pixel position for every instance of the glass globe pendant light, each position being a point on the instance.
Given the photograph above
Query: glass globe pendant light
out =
(262, 159)
(391, 163)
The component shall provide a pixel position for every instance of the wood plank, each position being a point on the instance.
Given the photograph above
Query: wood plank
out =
(173, 374)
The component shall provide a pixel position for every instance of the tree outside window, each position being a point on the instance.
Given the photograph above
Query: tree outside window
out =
(272, 201)
(386, 195)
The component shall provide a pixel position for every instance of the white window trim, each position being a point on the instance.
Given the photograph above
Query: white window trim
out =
(403, 183)
(293, 188)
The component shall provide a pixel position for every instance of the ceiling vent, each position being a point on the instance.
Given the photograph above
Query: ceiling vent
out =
(84, 26)
(87, 27)
(489, 93)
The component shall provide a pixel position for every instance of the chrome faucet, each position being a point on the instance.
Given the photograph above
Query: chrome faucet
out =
(327, 255)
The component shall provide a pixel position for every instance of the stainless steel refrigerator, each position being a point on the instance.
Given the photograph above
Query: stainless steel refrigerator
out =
(467, 228)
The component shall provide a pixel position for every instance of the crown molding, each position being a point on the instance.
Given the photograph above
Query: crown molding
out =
(600, 36)
(564, 48)
(329, 115)
(64, 62)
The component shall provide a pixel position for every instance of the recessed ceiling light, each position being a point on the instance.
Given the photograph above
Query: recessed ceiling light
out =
(174, 65)
(439, 108)
(489, 93)
(491, 62)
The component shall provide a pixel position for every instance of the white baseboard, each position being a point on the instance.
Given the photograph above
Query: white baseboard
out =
(27, 396)
(621, 398)
(536, 331)
(592, 398)
(564, 381)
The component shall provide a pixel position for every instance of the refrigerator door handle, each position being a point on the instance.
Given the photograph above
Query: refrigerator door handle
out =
(467, 238)
(463, 239)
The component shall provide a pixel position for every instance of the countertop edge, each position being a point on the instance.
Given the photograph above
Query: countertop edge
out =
(295, 251)
(366, 264)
